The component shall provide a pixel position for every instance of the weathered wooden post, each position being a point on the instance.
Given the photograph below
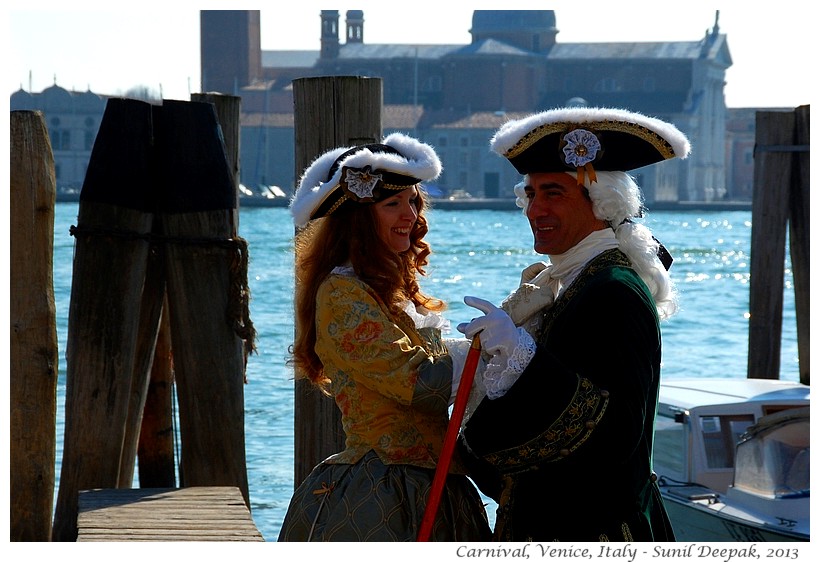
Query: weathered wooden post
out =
(155, 448)
(157, 217)
(799, 237)
(228, 110)
(329, 112)
(206, 265)
(779, 195)
(155, 432)
(151, 311)
(34, 357)
(110, 257)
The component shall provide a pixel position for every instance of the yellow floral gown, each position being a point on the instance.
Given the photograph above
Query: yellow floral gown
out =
(392, 383)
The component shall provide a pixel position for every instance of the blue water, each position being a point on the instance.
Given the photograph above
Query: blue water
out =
(476, 253)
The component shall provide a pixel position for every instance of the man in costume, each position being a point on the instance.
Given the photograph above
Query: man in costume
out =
(562, 441)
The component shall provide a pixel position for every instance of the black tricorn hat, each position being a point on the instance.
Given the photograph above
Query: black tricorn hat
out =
(585, 139)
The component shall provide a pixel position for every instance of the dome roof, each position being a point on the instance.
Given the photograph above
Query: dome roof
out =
(22, 100)
(505, 21)
(56, 99)
(89, 102)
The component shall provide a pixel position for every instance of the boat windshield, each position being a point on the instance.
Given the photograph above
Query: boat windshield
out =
(772, 458)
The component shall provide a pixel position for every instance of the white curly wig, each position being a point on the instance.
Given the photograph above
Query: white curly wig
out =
(618, 200)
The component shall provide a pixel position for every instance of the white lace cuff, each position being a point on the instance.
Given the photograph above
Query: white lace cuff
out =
(503, 370)
(424, 318)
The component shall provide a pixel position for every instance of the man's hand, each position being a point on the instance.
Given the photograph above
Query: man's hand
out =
(498, 332)
(531, 271)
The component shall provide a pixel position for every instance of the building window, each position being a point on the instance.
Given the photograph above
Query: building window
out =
(442, 141)
(60, 139)
(432, 84)
(606, 85)
(492, 183)
(89, 140)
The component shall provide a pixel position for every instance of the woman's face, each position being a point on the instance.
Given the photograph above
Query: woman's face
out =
(395, 217)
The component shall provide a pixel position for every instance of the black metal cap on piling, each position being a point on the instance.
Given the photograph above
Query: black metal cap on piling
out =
(160, 158)
(192, 166)
(121, 167)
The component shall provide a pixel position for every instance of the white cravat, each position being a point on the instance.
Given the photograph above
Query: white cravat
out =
(540, 292)
(502, 372)
(565, 267)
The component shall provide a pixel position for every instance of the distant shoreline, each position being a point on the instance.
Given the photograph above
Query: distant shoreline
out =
(494, 204)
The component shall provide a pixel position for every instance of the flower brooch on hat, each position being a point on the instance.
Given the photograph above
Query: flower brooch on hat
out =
(587, 139)
(580, 150)
(362, 174)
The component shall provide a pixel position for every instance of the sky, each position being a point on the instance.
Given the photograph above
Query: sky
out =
(156, 45)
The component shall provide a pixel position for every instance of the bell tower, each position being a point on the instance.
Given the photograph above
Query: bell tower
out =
(230, 50)
(355, 26)
(330, 34)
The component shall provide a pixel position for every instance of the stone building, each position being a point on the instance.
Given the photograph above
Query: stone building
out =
(455, 96)
(72, 120)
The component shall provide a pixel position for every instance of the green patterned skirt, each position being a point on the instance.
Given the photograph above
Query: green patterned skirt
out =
(371, 501)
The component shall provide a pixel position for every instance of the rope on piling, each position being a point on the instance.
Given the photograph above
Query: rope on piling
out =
(238, 313)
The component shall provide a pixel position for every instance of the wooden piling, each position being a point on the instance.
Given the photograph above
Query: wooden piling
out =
(329, 112)
(157, 217)
(799, 237)
(151, 311)
(110, 257)
(780, 197)
(34, 357)
(207, 281)
(155, 450)
(228, 110)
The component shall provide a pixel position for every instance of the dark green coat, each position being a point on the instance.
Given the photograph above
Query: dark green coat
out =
(566, 452)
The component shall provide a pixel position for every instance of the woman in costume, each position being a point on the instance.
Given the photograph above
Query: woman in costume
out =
(368, 336)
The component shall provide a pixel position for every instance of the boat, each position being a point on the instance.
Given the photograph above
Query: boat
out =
(263, 196)
(732, 459)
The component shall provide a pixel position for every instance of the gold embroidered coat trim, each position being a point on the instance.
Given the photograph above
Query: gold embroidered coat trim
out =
(572, 428)
(608, 258)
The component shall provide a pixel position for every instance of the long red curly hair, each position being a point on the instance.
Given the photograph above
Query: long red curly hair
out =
(350, 236)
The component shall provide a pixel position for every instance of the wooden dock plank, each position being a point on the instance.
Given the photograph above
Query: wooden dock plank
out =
(199, 513)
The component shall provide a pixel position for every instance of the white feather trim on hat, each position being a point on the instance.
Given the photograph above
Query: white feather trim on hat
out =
(312, 187)
(511, 132)
(417, 160)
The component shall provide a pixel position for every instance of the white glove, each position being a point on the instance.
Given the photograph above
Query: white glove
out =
(512, 348)
(531, 271)
(498, 332)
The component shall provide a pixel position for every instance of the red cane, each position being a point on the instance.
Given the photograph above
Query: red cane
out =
(443, 466)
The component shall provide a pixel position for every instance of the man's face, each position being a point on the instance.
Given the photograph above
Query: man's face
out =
(559, 211)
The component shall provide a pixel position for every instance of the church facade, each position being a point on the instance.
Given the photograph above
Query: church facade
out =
(455, 96)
